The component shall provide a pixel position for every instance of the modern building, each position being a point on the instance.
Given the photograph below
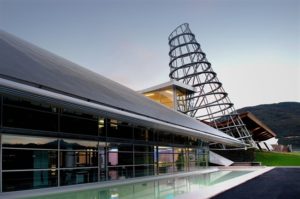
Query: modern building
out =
(62, 124)
(172, 94)
(195, 90)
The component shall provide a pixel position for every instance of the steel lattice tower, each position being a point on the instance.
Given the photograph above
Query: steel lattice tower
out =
(210, 103)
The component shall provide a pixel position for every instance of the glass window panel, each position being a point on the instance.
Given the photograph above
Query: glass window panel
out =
(180, 158)
(180, 139)
(192, 154)
(180, 162)
(165, 157)
(193, 141)
(141, 134)
(112, 122)
(69, 144)
(164, 149)
(151, 135)
(72, 159)
(102, 145)
(155, 155)
(17, 141)
(125, 131)
(144, 158)
(78, 125)
(29, 104)
(14, 159)
(79, 114)
(102, 127)
(115, 147)
(155, 96)
(144, 134)
(144, 148)
(165, 137)
(102, 161)
(14, 181)
(102, 174)
(179, 150)
(166, 97)
(117, 173)
(29, 119)
(78, 176)
(119, 131)
(203, 160)
(201, 151)
(115, 158)
(1, 106)
(146, 170)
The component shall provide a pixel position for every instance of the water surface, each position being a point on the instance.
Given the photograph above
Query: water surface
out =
(157, 189)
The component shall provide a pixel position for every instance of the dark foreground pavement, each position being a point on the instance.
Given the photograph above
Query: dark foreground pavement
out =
(283, 183)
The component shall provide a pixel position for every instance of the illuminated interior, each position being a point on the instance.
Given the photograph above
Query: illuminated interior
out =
(171, 96)
(163, 96)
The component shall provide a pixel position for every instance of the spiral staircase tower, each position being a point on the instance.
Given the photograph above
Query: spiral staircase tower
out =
(210, 103)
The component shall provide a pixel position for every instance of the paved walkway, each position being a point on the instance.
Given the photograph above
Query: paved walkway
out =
(281, 183)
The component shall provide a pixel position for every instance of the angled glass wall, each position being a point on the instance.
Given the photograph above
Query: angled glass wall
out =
(163, 96)
(45, 145)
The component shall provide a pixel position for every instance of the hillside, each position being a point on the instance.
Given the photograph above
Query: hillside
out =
(278, 159)
(283, 118)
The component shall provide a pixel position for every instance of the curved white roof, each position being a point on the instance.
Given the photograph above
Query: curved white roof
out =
(26, 64)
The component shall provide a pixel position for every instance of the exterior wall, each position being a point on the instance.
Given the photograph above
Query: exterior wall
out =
(45, 145)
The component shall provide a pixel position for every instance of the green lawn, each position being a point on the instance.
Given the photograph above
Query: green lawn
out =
(278, 159)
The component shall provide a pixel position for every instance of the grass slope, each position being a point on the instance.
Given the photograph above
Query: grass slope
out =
(278, 159)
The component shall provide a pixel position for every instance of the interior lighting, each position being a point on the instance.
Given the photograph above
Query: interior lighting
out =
(168, 91)
(149, 94)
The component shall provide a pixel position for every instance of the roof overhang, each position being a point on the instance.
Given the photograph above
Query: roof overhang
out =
(9, 86)
(259, 130)
(178, 85)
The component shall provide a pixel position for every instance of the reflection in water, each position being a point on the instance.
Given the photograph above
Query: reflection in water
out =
(158, 189)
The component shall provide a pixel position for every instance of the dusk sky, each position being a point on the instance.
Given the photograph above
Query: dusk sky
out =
(253, 45)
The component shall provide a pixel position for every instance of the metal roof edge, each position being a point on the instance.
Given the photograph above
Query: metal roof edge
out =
(198, 133)
(166, 84)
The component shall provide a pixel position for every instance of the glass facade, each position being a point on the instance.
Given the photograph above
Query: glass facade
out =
(163, 96)
(172, 96)
(45, 145)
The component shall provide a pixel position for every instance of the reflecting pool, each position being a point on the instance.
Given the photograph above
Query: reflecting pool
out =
(157, 189)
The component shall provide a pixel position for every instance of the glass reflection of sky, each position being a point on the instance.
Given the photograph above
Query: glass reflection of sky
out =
(24, 140)
(156, 189)
(15, 140)
(82, 142)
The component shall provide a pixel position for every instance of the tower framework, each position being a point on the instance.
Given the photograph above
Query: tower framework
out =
(210, 103)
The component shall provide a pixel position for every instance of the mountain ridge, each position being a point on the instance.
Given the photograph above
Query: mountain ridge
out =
(283, 118)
